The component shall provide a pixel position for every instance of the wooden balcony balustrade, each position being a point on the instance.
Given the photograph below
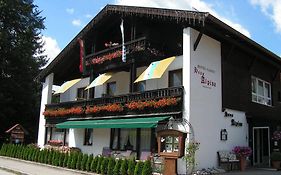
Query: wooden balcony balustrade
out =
(157, 94)
(115, 53)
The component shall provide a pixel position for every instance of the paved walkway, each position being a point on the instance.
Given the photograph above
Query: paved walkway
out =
(259, 171)
(11, 166)
(32, 168)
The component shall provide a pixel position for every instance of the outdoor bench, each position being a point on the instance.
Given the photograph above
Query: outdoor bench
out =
(227, 158)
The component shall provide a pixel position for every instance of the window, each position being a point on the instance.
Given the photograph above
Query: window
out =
(175, 78)
(261, 91)
(88, 136)
(82, 94)
(111, 88)
(141, 86)
(123, 139)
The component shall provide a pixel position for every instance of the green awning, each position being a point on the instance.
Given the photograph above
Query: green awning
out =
(114, 123)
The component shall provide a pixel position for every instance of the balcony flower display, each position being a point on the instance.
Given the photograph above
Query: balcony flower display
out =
(276, 135)
(103, 58)
(63, 112)
(140, 105)
(104, 108)
(242, 151)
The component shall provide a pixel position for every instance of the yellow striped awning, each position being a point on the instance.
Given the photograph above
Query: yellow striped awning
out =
(65, 86)
(100, 80)
(155, 69)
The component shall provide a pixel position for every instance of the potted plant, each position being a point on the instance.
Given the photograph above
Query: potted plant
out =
(242, 152)
(275, 157)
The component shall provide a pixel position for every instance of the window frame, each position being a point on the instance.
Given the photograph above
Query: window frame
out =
(107, 88)
(256, 95)
(170, 79)
(87, 136)
(84, 92)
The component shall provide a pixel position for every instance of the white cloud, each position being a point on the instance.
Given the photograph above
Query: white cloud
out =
(76, 22)
(89, 16)
(70, 10)
(185, 5)
(51, 48)
(271, 8)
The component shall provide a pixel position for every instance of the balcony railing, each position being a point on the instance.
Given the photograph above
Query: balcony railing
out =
(153, 101)
(115, 53)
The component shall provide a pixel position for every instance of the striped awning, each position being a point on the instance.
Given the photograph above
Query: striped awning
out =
(100, 80)
(65, 86)
(155, 69)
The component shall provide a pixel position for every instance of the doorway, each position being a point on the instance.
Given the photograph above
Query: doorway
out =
(261, 147)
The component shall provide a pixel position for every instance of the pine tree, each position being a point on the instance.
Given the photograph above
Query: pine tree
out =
(20, 43)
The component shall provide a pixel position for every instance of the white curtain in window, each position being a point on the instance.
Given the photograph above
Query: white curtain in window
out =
(125, 134)
(145, 139)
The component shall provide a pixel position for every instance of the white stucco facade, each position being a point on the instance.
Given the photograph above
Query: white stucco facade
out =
(203, 100)
(46, 98)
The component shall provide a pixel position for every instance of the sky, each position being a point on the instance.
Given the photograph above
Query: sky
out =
(259, 20)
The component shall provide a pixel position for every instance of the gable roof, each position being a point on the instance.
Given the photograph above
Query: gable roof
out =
(16, 125)
(202, 21)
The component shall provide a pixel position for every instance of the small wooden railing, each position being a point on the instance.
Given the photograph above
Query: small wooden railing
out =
(112, 53)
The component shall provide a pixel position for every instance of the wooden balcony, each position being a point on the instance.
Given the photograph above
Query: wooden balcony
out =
(138, 49)
(164, 101)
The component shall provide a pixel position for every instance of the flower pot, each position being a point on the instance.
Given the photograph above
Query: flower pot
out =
(276, 164)
(243, 163)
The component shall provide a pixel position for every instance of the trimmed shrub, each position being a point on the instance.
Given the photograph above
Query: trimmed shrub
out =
(61, 159)
(110, 167)
(94, 164)
(131, 166)
(147, 169)
(66, 156)
(69, 160)
(124, 167)
(84, 162)
(116, 170)
(98, 169)
(104, 165)
(88, 163)
(74, 160)
(138, 168)
(79, 159)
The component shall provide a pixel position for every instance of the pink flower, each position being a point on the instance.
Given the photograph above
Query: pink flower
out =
(242, 151)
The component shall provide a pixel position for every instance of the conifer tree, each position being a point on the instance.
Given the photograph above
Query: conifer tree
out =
(89, 161)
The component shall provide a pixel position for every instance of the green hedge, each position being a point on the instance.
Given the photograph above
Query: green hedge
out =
(77, 160)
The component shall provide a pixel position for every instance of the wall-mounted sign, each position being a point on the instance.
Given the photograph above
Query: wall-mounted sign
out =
(236, 123)
(205, 74)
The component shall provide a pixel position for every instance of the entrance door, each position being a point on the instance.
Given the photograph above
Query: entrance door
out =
(261, 147)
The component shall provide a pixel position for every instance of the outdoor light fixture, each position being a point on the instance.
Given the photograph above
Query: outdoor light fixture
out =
(223, 134)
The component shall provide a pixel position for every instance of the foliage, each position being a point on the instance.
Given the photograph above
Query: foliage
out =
(94, 164)
(21, 59)
(111, 164)
(147, 169)
(275, 156)
(189, 156)
(84, 162)
(88, 163)
(131, 167)
(78, 162)
(116, 169)
(242, 151)
(138, 168)
(276, 135)
(124, 167)
(98, 168)
(104, 166)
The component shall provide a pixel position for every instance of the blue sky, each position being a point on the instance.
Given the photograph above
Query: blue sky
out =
(258, 19)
